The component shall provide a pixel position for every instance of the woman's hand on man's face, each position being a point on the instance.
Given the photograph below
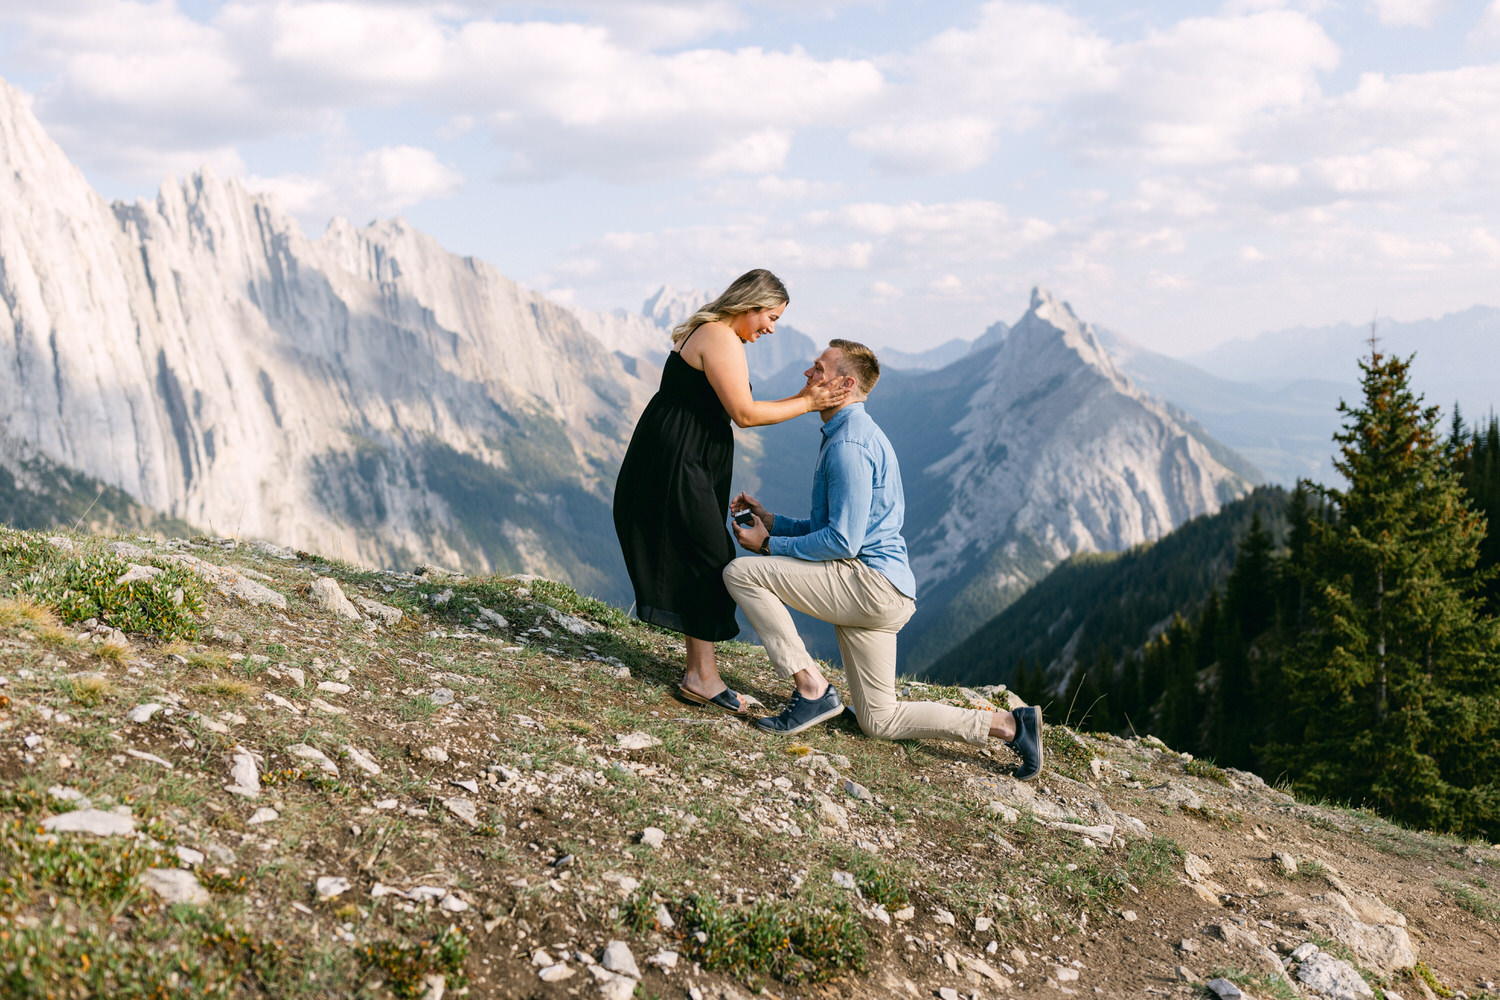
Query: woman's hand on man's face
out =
(834, 392)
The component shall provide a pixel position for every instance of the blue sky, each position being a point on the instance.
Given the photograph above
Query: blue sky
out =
(1182, 173)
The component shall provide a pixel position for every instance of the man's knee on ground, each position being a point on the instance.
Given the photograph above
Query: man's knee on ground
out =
(878, 723)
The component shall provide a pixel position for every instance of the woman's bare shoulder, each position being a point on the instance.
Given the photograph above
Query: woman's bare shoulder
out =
(712, 337)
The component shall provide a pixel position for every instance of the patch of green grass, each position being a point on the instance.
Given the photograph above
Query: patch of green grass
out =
(1467, 898)
(1206, 769)
(1066, 753)
(406, 965)
(792, 942)
(165, 955)
(1254, 983)
(1309, 869)
(99, 871)
(89, 691)
(1422, 973)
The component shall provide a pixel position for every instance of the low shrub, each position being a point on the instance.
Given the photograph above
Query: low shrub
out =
(793, 943)
(165, 606)
(405, 966)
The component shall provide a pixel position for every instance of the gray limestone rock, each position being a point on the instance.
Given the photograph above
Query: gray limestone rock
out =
(94, 821)
(328, 595)
(175, 885)
(383, 613)
(617, 958)
(1333, 978)
(315, 757)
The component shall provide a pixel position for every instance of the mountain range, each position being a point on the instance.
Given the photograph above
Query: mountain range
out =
(369, 395)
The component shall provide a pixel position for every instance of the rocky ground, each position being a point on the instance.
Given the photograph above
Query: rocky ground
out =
(364, 784)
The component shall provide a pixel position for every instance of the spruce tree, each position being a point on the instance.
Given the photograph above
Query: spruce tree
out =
(1393, 683)
(1249, 606)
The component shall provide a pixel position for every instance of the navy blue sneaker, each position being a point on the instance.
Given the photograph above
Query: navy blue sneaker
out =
(801, 713)
(1028, 742)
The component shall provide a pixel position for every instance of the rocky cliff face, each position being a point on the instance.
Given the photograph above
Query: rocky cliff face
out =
(1053, 452)
(365, 394)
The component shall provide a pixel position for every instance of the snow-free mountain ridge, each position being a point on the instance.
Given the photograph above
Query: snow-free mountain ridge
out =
(370, 396)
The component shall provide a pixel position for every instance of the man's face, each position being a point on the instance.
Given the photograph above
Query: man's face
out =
(824, 368)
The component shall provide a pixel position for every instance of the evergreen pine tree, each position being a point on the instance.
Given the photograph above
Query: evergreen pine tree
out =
(1393, 686)
(1249, 606)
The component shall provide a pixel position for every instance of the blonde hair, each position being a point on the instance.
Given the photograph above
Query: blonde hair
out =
(757, 289)
(858, 360)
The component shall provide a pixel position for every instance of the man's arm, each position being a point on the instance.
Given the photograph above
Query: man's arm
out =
(850, 472)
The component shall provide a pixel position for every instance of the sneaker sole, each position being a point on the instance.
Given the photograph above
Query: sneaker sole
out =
(831, 713)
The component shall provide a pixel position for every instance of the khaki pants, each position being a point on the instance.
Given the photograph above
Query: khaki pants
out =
(867, 612)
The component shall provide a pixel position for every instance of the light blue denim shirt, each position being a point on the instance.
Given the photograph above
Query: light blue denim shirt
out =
(857, 503)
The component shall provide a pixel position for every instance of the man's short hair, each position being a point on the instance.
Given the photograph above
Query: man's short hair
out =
(858, 360)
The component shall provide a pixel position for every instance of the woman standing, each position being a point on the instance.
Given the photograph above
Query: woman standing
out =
(672, 496)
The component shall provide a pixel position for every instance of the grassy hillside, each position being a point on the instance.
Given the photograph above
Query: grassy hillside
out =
(453, 800)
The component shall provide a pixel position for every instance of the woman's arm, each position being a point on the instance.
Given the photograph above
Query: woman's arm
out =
(721, 356)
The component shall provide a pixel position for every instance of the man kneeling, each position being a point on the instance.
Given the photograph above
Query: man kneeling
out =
(847, 565)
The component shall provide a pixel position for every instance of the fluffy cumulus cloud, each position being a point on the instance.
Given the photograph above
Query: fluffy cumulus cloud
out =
(379, 182)
(1414, 13)
(1486, 31)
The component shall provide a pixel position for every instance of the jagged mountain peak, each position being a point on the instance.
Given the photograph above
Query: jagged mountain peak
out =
(1050, 326)
(668, 306)
(1056, 452)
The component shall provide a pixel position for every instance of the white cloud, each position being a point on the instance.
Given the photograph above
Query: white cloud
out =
(1408, 13)
(1487, 29)
(1193, 94)
(932, 146)
(380, 182)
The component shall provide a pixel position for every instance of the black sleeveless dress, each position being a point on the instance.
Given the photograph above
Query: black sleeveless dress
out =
(671, 504)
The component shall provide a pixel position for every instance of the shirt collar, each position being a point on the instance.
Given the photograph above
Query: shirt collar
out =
(840, 417)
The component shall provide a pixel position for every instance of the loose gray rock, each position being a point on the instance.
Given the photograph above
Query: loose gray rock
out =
(1177, 794)
(464, 809)
(617, 958)
(442, 696)
(314, 756)
(361, 760)
(573, 623)
(1333, 977)
(1224, 989)
(556, 973)
(142, 713)
(134, 573)
(94, 821)
(1285, 862)
(328, 595)
(494, 618)
(383, 613)
(244, 776)
(637, 740)
(435, 754)
(855, 790)
(265, 814)
(653, 836)
(175, 885)
(329, 886)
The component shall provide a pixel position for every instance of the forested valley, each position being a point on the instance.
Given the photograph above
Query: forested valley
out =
(1339, 639)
